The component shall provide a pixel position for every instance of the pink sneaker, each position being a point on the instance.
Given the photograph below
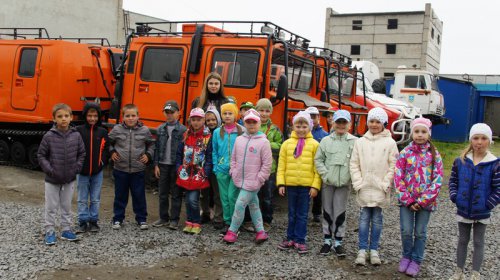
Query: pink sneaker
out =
(403, 264)
(413, 269)
(301, 248)
(230, 237)
(261, 236)
(286, 244)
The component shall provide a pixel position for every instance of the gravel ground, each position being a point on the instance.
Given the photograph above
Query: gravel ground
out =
(158, 252)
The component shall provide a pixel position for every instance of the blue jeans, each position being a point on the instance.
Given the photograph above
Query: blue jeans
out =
(298, 209)
(193, 206)
(266, 198)
(370, 223)
(134, 183)
(89, 186)
(413, 224)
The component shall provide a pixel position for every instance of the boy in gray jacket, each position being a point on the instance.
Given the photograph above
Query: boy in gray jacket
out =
(61, 155)
(332, 162)
(131, 148)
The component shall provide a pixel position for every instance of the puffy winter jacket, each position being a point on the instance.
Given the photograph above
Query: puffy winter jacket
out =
(61, 155)
(194, 160)
(131, 143)
(416, 178)
(251, 161)
(333, 157)
(222, 146)
(95, 138)
(372, 168)
(475, 189)
(299, 171)
(275, 137)
(161, 141)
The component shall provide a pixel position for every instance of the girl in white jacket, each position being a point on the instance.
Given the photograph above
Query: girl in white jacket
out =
(372, 171)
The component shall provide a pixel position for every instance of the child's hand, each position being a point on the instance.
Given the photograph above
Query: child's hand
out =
(313, 192)
(415, 207)
(144, 159)
(115, 156)
(157, 172)
(281, 190)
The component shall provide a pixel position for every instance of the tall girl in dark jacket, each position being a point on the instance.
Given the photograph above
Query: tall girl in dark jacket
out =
(212, 95)
(475, 189)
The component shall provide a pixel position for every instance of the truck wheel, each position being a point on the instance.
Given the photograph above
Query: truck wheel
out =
(4, 150)
(33, 155)
(18, 152)
(378, 86)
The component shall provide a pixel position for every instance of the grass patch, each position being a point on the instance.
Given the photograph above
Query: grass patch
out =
(450, 151)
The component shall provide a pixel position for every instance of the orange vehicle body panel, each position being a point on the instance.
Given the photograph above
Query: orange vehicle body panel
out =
(63, 71)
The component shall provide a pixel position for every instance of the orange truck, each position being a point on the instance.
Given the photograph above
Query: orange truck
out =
(38, 72)
(260, 60)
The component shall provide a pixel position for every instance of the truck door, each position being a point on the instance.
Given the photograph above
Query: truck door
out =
(161, 78)
(24, 94)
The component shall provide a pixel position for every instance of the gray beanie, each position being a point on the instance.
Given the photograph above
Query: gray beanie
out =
(263, 104)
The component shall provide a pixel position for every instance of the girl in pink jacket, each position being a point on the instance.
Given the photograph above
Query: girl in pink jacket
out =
(251, 162)
(418, 178)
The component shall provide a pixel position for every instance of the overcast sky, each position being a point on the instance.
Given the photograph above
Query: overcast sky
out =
(471, 36)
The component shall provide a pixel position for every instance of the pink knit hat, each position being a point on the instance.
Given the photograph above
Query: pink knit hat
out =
(422, 122)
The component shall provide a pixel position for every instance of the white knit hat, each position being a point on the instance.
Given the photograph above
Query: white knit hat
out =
(378, 114)
(481, 128)
(305, 116)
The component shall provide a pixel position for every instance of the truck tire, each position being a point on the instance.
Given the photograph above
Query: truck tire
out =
(4, 150)
(33, 155)
(378, 86)
(18, 152)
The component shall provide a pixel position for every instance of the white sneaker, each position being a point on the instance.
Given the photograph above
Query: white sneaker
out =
(143, 226)
(116, 225)
(459, 274)
(374, 258)
(361, 258)
(475, 275)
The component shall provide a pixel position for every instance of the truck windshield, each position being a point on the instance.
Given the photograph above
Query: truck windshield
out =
(415, 81)
(237, 68)
(300, 72)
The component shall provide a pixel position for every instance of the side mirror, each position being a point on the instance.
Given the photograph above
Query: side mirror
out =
(282, 87)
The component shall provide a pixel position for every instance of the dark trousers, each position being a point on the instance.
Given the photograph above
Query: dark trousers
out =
(193, 206)
(133, 183)
(166, 188)
(266, 198)
(316, 208)
(298, 209)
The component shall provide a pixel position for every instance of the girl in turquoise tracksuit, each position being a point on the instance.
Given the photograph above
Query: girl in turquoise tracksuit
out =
(222, 147)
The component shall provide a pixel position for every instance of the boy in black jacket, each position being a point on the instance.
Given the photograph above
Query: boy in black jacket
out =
(95, 138)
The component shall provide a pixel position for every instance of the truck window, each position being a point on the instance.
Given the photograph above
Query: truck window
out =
(411, 81)
(421, 82)
(300, 72)
(162, 65)
(27, 63)
(237, 68)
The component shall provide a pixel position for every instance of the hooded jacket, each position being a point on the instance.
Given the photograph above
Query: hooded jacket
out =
(95, 138)
(372, 168)
(131, 143)
(416, 179)
(275, 137)
(217, 117)
(222, 147)
(332, 159)
(475, 189)
(299, 171)
(251, 161)
(61, 155)
(194, 160)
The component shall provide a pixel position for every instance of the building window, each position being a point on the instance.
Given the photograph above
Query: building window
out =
(392, 23)
(388, 74)
(390, 48)
(439, 39)
(432, 32)
(357, 25)
(355, 49)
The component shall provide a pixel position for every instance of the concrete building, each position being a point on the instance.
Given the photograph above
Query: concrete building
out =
(387, 39)
(73, 18)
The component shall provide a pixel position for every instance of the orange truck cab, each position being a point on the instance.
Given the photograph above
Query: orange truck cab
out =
(39, 72)
(265, 60)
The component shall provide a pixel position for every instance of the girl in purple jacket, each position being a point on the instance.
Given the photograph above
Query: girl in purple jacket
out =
(418, 178)
(251, 162)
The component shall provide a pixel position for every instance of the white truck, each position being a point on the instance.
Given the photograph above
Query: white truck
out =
(419, 88)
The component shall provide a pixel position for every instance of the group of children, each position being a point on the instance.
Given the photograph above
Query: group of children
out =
(237, 166)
